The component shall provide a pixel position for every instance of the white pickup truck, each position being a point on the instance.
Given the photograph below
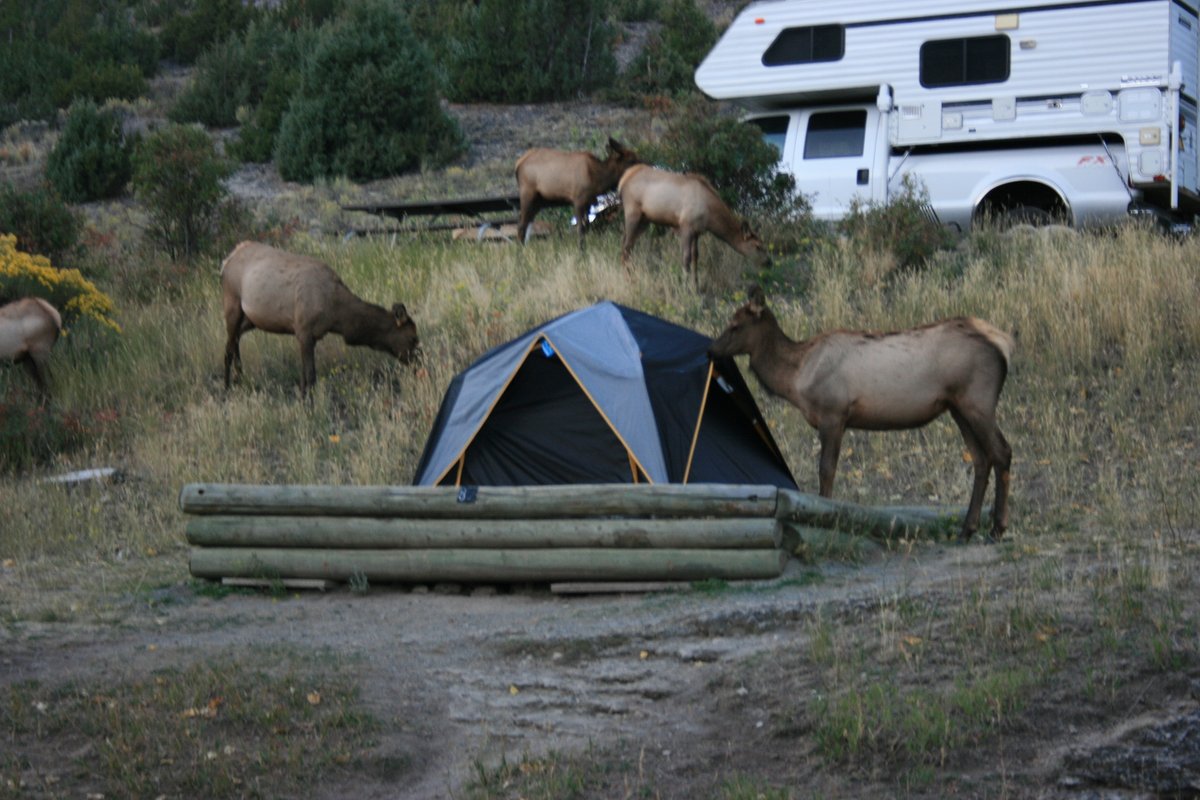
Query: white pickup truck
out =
(1078, 112)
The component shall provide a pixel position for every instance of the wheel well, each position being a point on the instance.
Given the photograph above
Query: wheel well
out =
(1031, 194)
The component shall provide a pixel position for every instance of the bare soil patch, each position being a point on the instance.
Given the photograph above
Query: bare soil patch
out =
(674, 693)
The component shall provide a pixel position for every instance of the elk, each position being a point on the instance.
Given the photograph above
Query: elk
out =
(689, 204)
(547, 177)
(281, 292)
(29, 327)
(887, 381)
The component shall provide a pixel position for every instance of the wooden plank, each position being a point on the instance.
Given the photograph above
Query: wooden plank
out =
(755, 533)
(488, 566)
(465, 206)
(619, 587)
(287, 583)
(489, 502)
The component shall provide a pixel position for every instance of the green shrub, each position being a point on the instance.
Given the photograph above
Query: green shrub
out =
(177, 176)
(636, 10)
(41, 221)
(256, 139)
(531, 51)
(55, 51)
(367, 105)
(29, 73)
(91, 160)
(185, 36)
(237, 72)
(100, 82)
(669, 60)
(902, 226)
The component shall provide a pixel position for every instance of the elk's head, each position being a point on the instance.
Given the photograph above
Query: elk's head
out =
(745, 328)
(400, 337)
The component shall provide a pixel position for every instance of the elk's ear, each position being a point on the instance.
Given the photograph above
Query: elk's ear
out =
(615, 146)
(400, 312)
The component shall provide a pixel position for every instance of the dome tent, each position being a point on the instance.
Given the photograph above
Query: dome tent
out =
(604, 394)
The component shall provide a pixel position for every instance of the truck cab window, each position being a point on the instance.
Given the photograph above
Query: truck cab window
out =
(836, 134)
(806, 45)
(964, 62)
(774, 129)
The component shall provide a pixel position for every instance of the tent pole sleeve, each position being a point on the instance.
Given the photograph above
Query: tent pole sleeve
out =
(687, 471)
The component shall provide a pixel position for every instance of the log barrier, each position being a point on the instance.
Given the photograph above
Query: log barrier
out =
(491, 534)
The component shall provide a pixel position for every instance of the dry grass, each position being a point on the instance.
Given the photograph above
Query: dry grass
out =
(1096, 406)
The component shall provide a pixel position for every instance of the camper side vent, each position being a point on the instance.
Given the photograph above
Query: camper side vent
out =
(910, 112)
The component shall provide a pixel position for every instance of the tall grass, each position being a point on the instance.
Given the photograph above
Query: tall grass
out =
(1099, 406)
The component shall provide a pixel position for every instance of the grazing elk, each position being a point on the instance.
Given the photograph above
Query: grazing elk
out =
(548, 177)
(690, 205)
(29, 327)
(887, 381)
(280, 292)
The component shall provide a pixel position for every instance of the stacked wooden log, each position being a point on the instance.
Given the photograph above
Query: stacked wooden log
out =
(529, 534)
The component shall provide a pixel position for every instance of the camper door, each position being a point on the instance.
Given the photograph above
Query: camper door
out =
(829, 151)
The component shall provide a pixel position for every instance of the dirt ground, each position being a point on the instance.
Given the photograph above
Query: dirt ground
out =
(460, 674)
(694, 687)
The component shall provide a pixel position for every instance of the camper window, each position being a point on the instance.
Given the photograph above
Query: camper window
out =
(774, 129)
(836, 134)
(806, 45)
(962, 62)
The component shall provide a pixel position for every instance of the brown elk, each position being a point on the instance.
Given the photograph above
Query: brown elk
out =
(887, 381)
(547, 177)
(29, 327)
(690, 205)
(281, 292)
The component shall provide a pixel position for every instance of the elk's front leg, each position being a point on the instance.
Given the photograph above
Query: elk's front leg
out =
(830, 436)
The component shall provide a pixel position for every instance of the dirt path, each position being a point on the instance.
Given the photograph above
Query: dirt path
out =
(459, 677)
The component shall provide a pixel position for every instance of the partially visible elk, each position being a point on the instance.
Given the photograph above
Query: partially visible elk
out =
(547, 177)
(689, 204)
(281, 292)
(29, 327)
(887, 381)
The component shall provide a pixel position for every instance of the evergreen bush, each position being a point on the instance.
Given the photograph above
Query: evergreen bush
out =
(530, 51)
(367, 103)
(91, 160)
(235, 74)
(177, 176)
(669, 60)
(42, 223)
(185, 36)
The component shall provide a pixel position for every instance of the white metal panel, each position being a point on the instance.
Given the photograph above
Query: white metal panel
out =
(1066, 49)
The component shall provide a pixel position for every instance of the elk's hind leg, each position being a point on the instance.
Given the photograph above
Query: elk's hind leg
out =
(236, 324)
(635, 223)
(36, 366)
(991, 452)
(529, 209)
(980, 462)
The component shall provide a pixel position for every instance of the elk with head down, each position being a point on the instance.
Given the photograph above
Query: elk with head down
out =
(281, 292)
(887, 381)
(29, 327)
(689, 204)
(547, 177)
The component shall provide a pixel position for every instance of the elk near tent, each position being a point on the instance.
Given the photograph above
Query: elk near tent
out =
(604, 394)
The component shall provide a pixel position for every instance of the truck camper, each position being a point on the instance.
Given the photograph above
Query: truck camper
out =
(1049, 111)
